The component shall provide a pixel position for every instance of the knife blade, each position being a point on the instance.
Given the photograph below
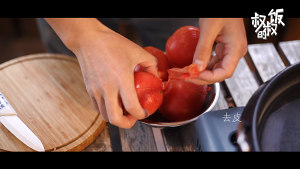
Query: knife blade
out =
(115, 138)
(9, 118)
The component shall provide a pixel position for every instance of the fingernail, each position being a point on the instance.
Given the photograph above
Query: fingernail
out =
(146, 113)
(200, 64)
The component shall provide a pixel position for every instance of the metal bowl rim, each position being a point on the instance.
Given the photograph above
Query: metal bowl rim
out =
(180, 123)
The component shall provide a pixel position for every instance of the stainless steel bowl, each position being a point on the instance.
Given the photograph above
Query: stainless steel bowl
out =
(156, 120)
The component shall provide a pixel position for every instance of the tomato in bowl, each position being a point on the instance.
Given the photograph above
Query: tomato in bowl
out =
(158, 120)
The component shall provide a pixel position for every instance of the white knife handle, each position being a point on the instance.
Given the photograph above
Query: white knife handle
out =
(5, 107)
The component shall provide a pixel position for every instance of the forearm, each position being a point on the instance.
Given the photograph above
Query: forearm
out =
(71, 30)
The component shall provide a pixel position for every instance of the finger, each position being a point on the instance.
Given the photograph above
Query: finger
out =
(130, 99)
(99, 106)
(153, 70)
(150, 67)
(198, 81)
(102, 108)
(150, 64)
(219, 55)
(204, 47)
(219, 50)
(212, 76)
(213, 61)
(115, 113)
(95, 105)
(221, 71)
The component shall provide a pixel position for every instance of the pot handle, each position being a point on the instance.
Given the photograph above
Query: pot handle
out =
(216, 130)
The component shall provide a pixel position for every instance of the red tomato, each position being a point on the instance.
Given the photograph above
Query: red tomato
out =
(180, 47)
(162, 61)
(182, 100)
(149, 91)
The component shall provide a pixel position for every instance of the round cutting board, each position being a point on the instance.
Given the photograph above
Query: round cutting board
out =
(48, 93)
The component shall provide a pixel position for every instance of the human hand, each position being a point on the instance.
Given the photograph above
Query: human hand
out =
(231, 45)
(107, 61)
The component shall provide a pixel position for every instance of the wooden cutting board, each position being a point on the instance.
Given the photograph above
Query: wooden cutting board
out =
(49, 95)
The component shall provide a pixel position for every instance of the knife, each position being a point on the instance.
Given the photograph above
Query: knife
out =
(115, 138)
(9, 118)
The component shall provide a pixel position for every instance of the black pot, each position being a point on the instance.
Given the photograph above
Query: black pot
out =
(271, 119)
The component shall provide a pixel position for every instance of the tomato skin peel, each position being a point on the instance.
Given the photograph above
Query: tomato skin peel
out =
(190, 71)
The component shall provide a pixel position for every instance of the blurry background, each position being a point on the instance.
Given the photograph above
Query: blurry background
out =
(20, 36)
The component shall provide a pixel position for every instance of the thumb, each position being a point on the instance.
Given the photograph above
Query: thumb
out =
(152, 69)
(150, 66)
(203, 52)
